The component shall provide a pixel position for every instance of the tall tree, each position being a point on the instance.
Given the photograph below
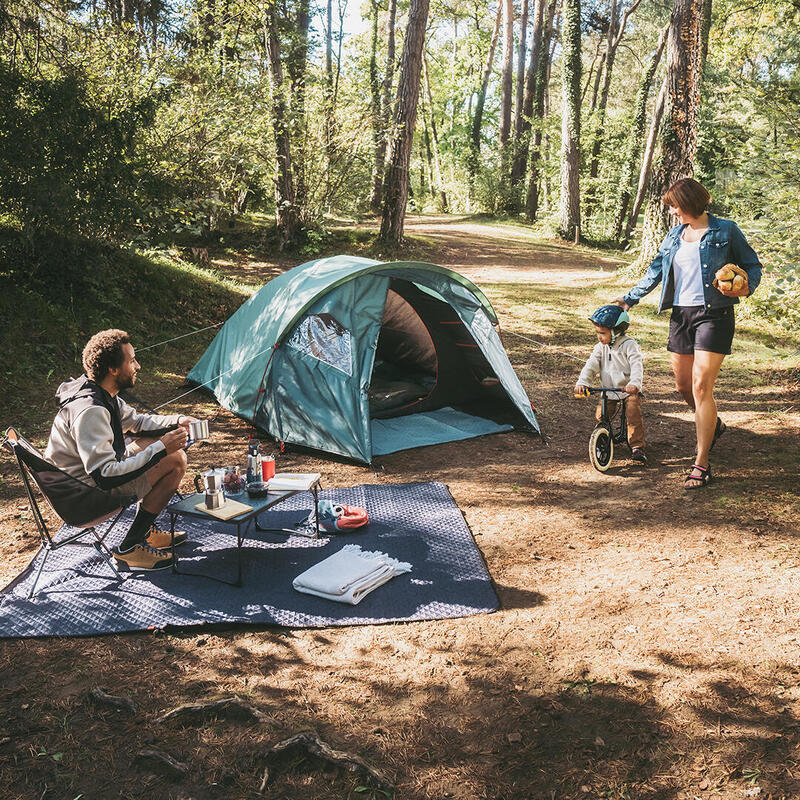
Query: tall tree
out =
(635, 135)
(678, 134)
(437, 182)
(376, 114)
(616, 30)
(522, 52)
(647, 161)
(506, 78)
(296, 68)
(540, 95)
(395, 186)
(570, 205)
(386, 108)
(477, 117)
(522, 144)
(286, 211)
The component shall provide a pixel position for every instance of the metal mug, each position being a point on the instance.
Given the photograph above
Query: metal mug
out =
(198, 430)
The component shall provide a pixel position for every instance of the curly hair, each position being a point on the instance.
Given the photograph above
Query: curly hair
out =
(104, 352)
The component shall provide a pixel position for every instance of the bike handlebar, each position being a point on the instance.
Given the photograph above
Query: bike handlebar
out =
(587, 390)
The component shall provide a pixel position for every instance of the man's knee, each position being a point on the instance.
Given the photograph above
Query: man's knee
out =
(177, 462)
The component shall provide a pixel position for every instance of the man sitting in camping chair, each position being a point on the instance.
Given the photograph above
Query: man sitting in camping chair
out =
(88, 441)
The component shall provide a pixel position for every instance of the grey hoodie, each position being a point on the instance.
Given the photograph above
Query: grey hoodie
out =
(87, 439)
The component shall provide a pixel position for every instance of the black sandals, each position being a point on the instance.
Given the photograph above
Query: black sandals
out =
(703, 479)
(720, 428)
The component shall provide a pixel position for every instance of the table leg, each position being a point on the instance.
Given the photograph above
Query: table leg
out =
(172, 543)
(315, 492)
(239, 553)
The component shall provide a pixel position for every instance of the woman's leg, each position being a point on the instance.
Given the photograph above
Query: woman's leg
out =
(704, 376)
(682, 366)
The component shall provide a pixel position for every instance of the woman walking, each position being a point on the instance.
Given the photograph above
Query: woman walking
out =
(702, 324)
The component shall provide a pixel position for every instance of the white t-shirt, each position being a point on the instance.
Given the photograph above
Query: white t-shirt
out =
(688, 275)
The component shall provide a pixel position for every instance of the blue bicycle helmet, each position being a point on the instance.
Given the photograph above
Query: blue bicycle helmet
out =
(610, 316)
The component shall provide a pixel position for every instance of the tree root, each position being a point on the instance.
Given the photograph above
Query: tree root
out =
(119, 703)
(311, 743)
(160, 763)
(227, 708)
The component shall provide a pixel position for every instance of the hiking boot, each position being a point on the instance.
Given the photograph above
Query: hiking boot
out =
(143, 557)
(639, 456)
(162, 540)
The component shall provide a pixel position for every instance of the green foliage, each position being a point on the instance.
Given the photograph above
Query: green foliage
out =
(77, 287)
(67, 163)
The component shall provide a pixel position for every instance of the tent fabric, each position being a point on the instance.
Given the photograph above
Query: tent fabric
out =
(430, 427)
(281, 360)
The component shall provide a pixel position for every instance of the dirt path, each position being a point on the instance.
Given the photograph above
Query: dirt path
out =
(647, 645)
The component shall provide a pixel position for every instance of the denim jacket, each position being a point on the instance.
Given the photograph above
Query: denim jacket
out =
(723, 243)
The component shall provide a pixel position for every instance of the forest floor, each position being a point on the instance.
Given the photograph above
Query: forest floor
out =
(648, 641)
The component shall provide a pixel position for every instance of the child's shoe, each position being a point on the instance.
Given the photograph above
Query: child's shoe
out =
(639, 456)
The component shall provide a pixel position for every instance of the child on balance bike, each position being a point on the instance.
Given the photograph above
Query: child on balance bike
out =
(615, 364)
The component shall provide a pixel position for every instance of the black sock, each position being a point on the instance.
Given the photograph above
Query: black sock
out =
(139, 529)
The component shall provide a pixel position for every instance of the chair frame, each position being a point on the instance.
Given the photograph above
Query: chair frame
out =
(49, 544)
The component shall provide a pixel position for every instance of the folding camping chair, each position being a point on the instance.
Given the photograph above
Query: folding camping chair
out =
(79, 505)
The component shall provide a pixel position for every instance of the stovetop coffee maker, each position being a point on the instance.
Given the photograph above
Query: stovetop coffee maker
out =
(210, 483)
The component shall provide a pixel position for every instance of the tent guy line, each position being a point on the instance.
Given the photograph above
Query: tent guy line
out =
(182, 336)
(201, 385)
(542, 344)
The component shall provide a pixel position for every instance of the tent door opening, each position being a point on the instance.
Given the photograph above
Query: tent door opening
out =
(426, 359)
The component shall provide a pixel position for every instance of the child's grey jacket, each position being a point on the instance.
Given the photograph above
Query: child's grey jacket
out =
(616, 364)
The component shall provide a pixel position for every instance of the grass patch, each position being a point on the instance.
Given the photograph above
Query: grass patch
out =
(50, 311)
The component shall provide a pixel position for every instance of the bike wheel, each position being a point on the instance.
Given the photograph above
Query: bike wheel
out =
(601, 448)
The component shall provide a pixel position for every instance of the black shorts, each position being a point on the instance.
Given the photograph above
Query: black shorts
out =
(699, 328)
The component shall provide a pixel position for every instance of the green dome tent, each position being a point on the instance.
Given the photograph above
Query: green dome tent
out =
(341, 352)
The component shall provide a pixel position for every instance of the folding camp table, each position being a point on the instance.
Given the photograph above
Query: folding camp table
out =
(243, 523)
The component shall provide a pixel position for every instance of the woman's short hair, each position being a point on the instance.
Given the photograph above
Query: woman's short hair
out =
(688, 195)
(104, 352)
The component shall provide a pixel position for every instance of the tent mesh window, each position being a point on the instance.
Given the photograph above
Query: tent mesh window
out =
(322, 337)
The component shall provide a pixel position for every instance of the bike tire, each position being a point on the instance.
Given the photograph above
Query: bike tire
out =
(601, 448)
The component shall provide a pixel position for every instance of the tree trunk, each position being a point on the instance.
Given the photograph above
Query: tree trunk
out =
(635, 136)
(428, 154)
(570, 204)
(591, 69)
(285, 198)
(520, 87)
(705, 33)
(596, 90)
(542, 79)
(329, 102)
(477, 119)
(376, 201)
(615, 34)
(297, 65)
(678, 134)
(395, 187)
(523, 139)
(437, 184)
(378, 131)
(647, 161)
(507, 75)
(329, 44)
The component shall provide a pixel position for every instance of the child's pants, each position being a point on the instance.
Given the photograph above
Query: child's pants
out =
(633, 414)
